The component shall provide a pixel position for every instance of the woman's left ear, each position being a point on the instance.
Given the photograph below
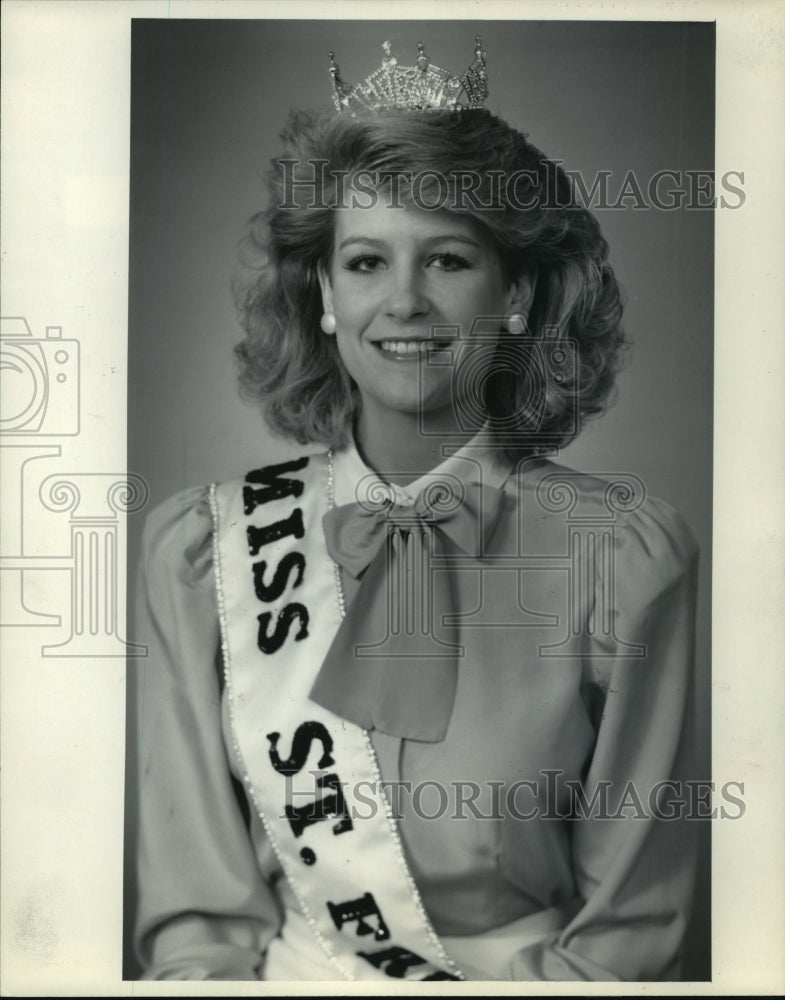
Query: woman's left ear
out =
(519, 300)
(521, 293)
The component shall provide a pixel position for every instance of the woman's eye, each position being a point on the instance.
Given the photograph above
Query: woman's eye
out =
(450, 262)
(366, 264)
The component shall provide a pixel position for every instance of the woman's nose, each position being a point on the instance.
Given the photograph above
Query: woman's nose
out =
(406, 299)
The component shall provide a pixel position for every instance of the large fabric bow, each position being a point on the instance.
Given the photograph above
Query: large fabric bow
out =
(393, 664)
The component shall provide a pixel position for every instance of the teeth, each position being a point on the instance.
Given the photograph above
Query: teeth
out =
(408, 346)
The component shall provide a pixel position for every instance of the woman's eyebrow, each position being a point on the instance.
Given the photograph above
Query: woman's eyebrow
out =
(430, 241)
(367, 240)
(452, 238)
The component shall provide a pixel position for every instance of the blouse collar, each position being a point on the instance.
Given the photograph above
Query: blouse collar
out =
(480, 460)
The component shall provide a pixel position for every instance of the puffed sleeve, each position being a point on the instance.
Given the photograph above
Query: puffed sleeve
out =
(634, 868)
(204, 909)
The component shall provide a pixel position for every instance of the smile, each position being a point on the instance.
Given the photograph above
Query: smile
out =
(410, 347)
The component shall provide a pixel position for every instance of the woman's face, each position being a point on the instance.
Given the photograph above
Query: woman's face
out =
(397, 276)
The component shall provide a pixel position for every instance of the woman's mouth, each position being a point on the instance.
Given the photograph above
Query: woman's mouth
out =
(410, 348)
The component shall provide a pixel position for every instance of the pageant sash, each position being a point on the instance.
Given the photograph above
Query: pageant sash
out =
(312, 776)
(490, 955)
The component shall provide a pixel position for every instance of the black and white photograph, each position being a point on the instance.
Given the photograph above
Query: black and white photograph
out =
(396, 529)
(423, 685)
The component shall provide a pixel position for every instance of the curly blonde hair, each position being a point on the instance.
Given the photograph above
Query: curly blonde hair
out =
(295, 371)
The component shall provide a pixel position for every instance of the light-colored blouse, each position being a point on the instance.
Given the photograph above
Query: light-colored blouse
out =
(573, 711)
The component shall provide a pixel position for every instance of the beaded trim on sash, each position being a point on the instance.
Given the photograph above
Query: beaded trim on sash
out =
(279, 610)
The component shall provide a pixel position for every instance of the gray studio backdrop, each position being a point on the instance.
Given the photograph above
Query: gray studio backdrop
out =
(208, 101)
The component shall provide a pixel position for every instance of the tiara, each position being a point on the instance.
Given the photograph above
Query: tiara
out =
(422, 87)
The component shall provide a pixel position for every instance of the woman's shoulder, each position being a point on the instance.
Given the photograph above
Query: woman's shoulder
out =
(178, 536)
(644, 528)
(184, 513)
(179, 531)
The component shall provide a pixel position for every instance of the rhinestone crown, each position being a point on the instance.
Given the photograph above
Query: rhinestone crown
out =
(422, 87)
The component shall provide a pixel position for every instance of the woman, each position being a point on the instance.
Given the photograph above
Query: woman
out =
(417, 702)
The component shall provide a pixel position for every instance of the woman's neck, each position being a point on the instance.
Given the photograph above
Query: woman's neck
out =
(402, 446)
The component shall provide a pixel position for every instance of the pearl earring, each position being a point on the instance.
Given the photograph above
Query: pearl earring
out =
(515, 324)
(327, 323)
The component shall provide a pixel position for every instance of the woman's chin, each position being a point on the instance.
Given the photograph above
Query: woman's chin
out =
(428, 407)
